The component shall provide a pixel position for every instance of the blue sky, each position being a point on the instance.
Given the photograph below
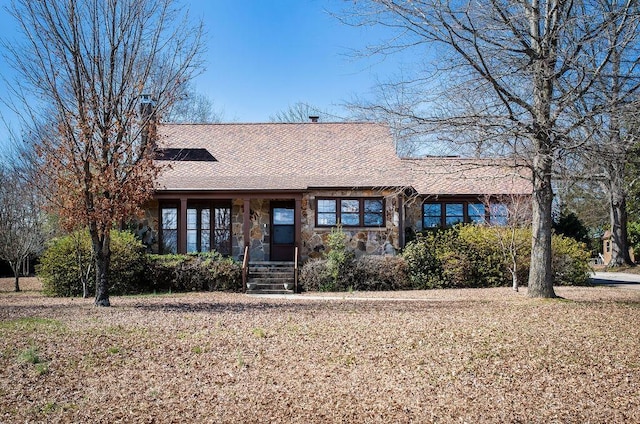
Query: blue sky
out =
(263, 56)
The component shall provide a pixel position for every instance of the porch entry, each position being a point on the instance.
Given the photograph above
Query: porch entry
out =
(283, 234)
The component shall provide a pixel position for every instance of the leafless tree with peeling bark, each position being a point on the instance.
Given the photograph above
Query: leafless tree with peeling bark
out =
(503, 77)
(83, 69)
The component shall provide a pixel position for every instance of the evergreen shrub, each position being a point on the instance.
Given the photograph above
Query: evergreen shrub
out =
(193, 272)
(68, 260)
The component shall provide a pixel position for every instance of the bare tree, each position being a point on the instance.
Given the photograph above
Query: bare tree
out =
(612, 128)
(510, 216)
(301, 112)
(83, 69)
(22, 223)
(194, 108)
(520, 66)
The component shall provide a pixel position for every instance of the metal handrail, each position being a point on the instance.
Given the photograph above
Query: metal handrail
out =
(295, 270)
(245, 269)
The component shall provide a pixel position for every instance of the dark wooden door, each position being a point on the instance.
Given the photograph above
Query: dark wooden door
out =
(282, 231)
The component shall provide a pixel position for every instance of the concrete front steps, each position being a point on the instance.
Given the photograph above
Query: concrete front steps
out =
(271, 278)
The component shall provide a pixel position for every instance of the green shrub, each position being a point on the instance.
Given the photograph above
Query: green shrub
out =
(314, 276)
(68, 262)
(225, 274)
(478, 256)
(65, 263)
(338, 258)
(193, 272)
(423, 268)
(127, 264)
(373, 273)
(570, 262)
(633, 232)
(367, 273)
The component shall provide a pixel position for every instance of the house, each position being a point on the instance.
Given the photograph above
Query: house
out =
(271, 190)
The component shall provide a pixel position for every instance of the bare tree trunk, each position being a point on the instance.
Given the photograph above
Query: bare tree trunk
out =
(540, 273)
(619, 242)
(15, 267)
(102, 260)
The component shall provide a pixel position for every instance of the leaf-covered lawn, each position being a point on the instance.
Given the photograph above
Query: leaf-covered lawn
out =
(477, 355)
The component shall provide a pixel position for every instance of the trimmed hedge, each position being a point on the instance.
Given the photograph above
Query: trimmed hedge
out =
(193, 272)
(367, 273)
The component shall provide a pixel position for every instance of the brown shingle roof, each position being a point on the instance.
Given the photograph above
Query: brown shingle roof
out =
(282, 156)
(455, 176)
(298, 156)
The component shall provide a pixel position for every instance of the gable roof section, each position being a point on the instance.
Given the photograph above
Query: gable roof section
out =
(279, 156)
(439, 176)
(300, 156)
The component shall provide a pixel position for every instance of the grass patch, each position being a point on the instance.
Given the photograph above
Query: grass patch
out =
(30, 356)
(31, 324)
(259, 332)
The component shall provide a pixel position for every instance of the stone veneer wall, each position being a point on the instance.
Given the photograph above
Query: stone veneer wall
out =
(361, 240)
(260, 224)
(413, 214)
(147, 229)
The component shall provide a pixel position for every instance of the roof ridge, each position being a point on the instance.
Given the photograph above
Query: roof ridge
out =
(271, 123)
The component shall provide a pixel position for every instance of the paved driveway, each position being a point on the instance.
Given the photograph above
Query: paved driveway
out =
(617, 279)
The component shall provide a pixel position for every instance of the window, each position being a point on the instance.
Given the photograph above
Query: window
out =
(447, 214)
(205, 234)
(498, 214)
(476, 213)
(327, 214)
(350, 212)
(454, 214)
(373, 212)
(198, 229)
(222, 229)
(208, 227)
(169, 229)
(431, 215)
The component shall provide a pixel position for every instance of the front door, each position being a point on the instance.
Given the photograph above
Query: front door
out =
(282, 231)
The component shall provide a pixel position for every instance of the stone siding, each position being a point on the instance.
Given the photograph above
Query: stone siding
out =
(360, 240)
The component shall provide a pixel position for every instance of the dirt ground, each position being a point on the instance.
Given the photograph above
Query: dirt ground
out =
(474, 355)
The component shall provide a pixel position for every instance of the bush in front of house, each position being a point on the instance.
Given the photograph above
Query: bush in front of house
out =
(67, 264)
(193, 272)
(366, 273)
(378, 273)
(342, 271)
(479, 256)
(315, 276)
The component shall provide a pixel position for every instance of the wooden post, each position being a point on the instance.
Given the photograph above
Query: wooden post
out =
(182, 226)
(246, 222)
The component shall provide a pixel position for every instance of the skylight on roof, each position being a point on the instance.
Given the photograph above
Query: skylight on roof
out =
(186, 154)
